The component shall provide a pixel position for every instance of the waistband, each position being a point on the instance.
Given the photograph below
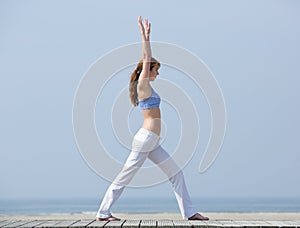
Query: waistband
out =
(144, 130)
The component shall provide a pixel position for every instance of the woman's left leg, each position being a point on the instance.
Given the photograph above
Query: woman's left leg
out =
(144, 141)
(134, 161)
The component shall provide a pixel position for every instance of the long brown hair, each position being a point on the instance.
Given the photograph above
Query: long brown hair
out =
(134, 80)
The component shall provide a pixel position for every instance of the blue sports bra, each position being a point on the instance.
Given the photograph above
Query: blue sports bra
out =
(151, 102)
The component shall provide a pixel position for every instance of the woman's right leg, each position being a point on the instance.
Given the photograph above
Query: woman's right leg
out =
(167, 164)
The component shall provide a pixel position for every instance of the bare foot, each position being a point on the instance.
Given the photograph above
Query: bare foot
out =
(198, 216)
(111, 218)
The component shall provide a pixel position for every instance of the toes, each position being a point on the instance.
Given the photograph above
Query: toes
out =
(198, 216)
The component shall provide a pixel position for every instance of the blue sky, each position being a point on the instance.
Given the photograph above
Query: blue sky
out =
(252, 48)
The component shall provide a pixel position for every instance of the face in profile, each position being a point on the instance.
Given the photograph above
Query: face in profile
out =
(154, 73)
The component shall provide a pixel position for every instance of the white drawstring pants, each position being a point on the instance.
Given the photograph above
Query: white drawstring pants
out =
(146, 145)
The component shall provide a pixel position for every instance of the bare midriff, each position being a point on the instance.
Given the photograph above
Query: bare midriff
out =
(152, 120)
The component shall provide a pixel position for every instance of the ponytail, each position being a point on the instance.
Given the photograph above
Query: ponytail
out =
(134, 78)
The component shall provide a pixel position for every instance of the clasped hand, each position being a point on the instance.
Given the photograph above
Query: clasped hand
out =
(144, 28)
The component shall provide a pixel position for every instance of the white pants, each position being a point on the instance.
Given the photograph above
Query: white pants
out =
(146, 145)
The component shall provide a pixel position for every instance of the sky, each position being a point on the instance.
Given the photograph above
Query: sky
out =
(251, 47)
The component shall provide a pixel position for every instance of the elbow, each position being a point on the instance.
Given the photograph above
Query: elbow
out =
(147, 58)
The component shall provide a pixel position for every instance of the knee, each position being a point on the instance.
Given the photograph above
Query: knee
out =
(177, 177)
(115, 186)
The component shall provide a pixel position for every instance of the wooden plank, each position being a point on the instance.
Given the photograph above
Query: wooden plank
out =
(82, 223)
(16, 224)
(32, 224)
(2, 221)
(213, 223)
(153, 223)
(8, 222)
(246, 223)
(197, 223)
(147, 223)
(274, 223)
(181, 223)
(115, 224)
(230, 223)
(48, 223)
(296, 223)
(131, 223)
(65, 223)
(97, 223)
(261, 223)
(291, 223)
(165, 223)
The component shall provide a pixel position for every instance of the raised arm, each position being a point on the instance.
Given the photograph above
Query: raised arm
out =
(143, 88)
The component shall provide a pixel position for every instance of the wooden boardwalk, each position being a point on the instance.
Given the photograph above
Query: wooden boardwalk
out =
(151, 223)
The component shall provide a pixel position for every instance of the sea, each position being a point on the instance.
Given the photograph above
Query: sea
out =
(146, 205)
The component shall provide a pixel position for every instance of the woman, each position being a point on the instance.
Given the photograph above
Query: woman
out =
(146, 142)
